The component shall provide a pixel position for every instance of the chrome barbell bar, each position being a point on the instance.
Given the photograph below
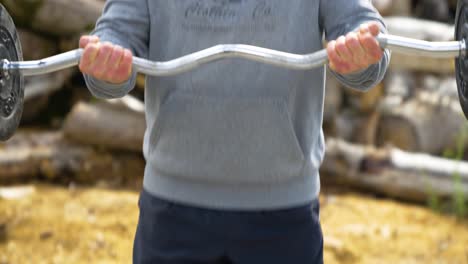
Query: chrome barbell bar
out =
(448, 49)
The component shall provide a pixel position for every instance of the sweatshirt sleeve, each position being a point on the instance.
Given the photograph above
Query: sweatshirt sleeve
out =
(338, 17)
(125, 23)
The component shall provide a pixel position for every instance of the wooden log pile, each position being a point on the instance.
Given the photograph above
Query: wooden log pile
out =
(393, 172)
(379, 140)
(50, 155)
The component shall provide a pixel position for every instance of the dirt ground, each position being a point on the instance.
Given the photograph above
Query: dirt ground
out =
(52, 224)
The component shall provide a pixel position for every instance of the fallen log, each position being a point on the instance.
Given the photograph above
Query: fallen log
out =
(399, 83)
(436, 10)
(445, 86)
(419, 28)
(422, 64)
(107, 125)
(55, 17)
(399, 86)
(423, 30)
(428, 123)
(42, 85)
(48, 155)
(393, 172)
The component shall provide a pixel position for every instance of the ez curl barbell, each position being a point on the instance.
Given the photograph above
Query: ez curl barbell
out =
(13, 69)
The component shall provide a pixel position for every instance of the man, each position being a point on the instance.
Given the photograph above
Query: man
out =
(233, 148)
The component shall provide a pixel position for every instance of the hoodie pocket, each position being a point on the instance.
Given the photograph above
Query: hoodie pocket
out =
(225, 140)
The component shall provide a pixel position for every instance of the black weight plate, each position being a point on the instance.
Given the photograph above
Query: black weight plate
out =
(461, 63)
(11, 83)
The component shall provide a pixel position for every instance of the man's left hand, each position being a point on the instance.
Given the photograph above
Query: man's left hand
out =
(356, 51)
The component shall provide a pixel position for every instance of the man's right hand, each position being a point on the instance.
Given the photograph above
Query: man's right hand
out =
(105, 61)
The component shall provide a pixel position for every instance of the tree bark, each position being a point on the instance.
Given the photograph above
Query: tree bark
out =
(107, 126)
(55, 17)
(393, 172)
(426, 123)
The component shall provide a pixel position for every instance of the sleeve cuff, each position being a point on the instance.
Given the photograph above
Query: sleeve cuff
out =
(105, 90)
(368, 78)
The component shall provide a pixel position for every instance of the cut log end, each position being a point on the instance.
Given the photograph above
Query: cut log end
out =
(399, 132)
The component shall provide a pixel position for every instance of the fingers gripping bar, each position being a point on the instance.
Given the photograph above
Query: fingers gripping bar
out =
(450, 49)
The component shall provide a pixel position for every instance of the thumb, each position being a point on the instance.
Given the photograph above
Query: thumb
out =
(374, 28)
(85, 40)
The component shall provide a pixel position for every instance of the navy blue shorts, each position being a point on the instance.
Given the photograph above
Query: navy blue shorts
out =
(170, 233)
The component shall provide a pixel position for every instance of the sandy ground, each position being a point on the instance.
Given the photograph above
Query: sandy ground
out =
(51, 224)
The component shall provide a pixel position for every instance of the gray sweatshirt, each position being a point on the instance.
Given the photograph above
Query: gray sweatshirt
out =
(233, 134)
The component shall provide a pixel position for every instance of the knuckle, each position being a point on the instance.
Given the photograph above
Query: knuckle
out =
(88, 49)
(370, 37)
(87, 56)
(107, 45)
(368, 43)
(340, 46)
(341, 39)
(353, 43)
(106, 50)
(113, 61)
(351, 36)
(118, 50)
(92, 48)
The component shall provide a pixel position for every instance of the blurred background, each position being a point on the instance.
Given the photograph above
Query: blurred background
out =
(395, 175)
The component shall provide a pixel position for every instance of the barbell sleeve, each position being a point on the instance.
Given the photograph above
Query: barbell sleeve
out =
(448, 49)
(415, 47)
